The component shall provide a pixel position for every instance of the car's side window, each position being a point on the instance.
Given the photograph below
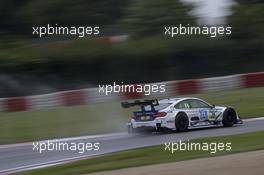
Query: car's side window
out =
(192, 103)
(198, 104)
(183, 105)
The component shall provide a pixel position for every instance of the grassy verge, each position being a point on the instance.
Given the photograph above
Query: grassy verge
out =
(152, 155)
(105, 117)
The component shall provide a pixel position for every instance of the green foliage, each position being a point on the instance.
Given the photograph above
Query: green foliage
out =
(68, 12)
(248, 21)
(149, 17)
(177, 58)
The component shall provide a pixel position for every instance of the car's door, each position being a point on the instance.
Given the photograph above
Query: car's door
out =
(204, 111)
(186, 107)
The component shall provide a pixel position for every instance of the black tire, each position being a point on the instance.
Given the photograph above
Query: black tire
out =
(229, 117)
(181, 122)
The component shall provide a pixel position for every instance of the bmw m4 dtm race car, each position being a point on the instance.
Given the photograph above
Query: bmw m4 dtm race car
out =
(179, 114)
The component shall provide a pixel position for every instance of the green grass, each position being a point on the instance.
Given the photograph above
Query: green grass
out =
(152, 155)
(105, 117)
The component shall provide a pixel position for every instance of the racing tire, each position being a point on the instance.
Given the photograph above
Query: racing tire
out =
(181, 122)
(229, 117)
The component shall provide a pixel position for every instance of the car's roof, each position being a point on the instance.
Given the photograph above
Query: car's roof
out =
(173, 100)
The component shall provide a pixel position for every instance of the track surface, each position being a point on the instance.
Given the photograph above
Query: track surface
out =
(19, 157)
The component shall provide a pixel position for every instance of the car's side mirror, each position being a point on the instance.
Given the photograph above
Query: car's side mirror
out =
(213, 106)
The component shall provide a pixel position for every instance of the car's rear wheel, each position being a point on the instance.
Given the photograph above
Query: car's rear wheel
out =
(229, 117)
(181, 122)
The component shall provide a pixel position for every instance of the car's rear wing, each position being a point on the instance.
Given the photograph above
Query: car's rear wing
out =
(142, 104)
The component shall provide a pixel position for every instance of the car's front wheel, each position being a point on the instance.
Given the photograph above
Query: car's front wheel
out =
(229, 117)
(181, 122)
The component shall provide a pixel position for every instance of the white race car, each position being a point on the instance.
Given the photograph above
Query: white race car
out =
(179, 114)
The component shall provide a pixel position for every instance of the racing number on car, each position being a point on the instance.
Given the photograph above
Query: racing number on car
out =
(203, 114)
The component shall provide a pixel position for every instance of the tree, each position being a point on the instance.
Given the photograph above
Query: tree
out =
(248, 20)
(68, 12)
(147, 17)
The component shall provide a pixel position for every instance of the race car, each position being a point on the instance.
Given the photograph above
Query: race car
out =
(179, 114)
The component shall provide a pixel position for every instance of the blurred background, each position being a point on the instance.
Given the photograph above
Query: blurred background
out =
(131, 48)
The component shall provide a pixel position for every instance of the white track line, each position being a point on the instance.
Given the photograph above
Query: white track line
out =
(67, 139)
(253, 119)
(43, 165)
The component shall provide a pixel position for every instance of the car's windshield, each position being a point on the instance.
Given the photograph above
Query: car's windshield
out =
(159, 107)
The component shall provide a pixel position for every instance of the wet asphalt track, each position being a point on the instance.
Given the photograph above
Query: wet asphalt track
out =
(19, 157)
